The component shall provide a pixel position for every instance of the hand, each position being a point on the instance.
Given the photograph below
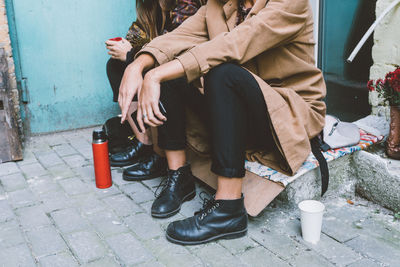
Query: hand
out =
(148, 110)
(118, 50)
(131, 84)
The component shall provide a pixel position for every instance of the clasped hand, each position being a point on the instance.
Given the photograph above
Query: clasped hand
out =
(148, 92)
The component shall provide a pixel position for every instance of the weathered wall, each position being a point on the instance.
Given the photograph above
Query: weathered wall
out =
(386, 50)
(6, 44)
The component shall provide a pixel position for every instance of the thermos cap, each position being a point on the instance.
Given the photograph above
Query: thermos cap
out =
(99, 135)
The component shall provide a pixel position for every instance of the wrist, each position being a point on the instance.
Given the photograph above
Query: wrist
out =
(154, 75)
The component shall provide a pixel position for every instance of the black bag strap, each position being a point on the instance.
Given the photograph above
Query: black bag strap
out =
(316, 146)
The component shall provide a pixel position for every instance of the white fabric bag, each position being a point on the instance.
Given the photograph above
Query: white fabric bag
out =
(340, 134)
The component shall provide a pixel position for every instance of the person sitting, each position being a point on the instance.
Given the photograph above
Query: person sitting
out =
(154, 18)
(263, 100)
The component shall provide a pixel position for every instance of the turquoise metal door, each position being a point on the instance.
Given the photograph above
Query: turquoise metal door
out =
(60, 57)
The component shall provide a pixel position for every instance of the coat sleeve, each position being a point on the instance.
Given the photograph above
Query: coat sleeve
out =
(191, 32)
(277, 24)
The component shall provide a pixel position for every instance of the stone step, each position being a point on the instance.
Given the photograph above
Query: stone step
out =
(368, 174)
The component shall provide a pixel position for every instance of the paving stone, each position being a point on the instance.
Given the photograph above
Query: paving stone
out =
(64, 259)
(54, 139)
(86, 173)
(152, 263)
(64, 150)
(75, 161)
(104, 262)
(122, 205)
(8, 168)
(46, 241)
(29, 157)
(279, 244)
(10, 234)
(153, 183)
(69, 220)
(144, 226)
(377, 248)
(86, 245)
(61, 172)
(80, 144)
(171, 254)
(214, 254)
(33, 170)
(88, 203)
(6, 212)
(190, 207)
(87, 153)
(107, 223)
(365, 263)
(74, 186)
(21, 198)
(32, 217)
(309, 258)
(117, 177)
(13, 182)
(16, 256)
(138, 192)
(163, 221)
(43, 184)
(102, 193)
(49, 159)
(259, 256)
(334, 251)
(55, 200)
(239, 245)
(128, 249)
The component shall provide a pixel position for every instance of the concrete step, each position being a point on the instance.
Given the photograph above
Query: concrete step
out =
(378, 177)
(369, 174)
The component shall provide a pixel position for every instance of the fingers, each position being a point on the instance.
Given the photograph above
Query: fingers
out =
(150, 119)
(158, 113)
(139, 119)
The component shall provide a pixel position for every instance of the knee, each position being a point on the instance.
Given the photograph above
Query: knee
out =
(114, 65)
(220, 79)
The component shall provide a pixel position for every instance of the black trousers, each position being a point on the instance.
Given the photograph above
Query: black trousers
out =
(233, 108)
(115, 71)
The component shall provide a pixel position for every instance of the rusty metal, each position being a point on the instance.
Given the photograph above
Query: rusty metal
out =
(393, 142)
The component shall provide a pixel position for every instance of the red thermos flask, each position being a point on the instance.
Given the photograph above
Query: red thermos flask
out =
(101, 161)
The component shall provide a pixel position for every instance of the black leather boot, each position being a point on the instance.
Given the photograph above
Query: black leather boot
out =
(131, 155)
(217, 219)
(177, 188)
(147, 167)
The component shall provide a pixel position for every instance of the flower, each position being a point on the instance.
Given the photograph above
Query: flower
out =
(389, 88)
(370, 85)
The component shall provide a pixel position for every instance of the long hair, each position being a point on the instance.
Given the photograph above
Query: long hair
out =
(151, 15)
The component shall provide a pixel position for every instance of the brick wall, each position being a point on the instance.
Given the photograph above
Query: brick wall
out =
(6, 44)
(386, 49)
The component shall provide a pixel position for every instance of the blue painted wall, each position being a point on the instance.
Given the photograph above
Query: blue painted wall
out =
(59, 49)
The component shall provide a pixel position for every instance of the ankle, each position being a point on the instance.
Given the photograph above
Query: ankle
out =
(227, 196)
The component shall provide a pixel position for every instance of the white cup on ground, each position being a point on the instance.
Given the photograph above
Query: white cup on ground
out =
(311, 220)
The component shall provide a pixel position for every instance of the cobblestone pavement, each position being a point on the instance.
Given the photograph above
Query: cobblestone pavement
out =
(51, 214)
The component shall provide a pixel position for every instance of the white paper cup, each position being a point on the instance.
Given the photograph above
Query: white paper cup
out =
(311, 220)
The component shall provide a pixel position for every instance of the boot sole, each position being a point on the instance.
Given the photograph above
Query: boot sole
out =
(122, 163)
(232, 235)
(142, 178)
(172, 213)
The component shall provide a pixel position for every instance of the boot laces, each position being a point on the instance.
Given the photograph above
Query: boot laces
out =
(165, 184)
(209, 205)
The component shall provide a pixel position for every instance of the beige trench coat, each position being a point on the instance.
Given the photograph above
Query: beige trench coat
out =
(275, 43)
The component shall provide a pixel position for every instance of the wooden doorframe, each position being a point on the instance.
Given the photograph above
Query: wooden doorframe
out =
(10, 143)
